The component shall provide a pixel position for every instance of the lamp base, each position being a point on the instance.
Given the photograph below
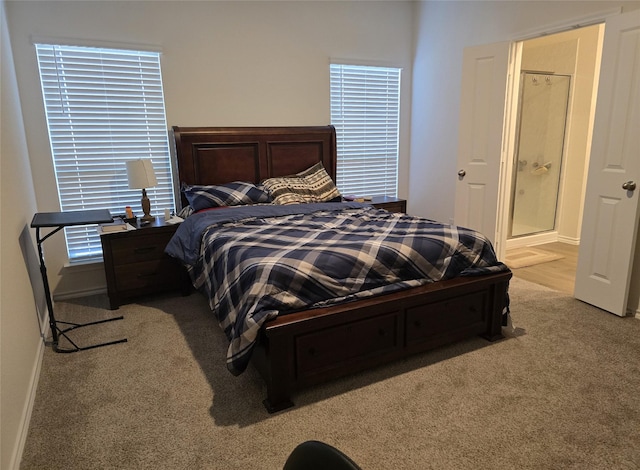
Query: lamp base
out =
(146, 208)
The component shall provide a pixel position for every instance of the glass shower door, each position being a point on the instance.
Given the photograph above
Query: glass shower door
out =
(540, 147)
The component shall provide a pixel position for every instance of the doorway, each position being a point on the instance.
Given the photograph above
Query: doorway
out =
(559, 79)
(544, 99)
(607, 214)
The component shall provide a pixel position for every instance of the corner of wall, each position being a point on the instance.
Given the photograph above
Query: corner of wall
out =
(21, 345)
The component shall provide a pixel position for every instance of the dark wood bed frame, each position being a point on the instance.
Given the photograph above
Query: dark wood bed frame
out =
(316, 345)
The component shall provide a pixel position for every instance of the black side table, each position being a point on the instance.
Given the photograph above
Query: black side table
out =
(57, 221)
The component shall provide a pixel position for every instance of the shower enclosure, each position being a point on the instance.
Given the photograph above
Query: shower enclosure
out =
(544, 99)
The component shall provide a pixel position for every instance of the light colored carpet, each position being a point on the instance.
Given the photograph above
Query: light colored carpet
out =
(528, 256)
(561, 391)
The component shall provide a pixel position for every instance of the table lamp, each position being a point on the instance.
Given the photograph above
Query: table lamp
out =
(141, 176)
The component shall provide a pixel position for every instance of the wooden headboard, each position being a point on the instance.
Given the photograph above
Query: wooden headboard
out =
(217, 155)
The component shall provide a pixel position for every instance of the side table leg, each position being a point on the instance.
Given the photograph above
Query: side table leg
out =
(47, 291)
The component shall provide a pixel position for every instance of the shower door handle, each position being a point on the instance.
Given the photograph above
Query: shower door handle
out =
(629, 186)
(462, 174)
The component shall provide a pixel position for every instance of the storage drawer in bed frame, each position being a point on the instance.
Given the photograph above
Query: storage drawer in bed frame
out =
(462, 315)
(351, 342)
(306, 348)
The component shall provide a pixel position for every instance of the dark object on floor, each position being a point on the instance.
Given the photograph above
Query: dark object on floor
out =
(316, 455)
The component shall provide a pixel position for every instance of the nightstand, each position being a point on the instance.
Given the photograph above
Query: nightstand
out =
(391, 204)
(135, 262)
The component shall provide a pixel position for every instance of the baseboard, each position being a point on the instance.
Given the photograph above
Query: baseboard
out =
(80, 280)
(541, 239)
(569, 240)
(79, 293)
(532, 240)
(16, 458)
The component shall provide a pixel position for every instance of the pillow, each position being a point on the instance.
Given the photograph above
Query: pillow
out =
(185, 212)
(320, 183)
(311, 185)
(230, 194)
(289, 190)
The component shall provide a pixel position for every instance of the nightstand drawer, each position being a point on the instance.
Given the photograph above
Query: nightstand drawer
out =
(391, 207)
(135, 263)
(155, 273)
(390, 204)
(138, 249)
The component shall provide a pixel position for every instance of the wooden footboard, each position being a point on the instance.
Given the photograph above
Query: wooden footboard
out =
(305, 348)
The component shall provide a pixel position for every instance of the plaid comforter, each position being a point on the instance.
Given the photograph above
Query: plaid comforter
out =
(256, 262)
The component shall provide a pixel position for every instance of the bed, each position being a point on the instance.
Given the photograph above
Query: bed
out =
(319, 337)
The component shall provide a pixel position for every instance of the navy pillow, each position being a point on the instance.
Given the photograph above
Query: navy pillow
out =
(230, 194)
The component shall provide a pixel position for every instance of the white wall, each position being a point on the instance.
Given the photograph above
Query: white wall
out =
(20, 344)
(224, 64)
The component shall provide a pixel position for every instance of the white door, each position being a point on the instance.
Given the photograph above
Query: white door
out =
(482, 111)
(610, 222)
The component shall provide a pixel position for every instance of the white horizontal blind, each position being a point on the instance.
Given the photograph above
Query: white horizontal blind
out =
(365, 109)
(103, 107)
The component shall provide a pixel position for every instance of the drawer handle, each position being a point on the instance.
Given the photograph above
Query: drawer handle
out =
(417, 324)
(144, 249)
(382, 332)
(312, 351)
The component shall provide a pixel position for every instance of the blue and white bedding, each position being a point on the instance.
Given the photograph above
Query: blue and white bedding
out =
(255, 262)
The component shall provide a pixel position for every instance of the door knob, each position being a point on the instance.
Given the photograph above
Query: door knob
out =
(462, 173)
(629, 186)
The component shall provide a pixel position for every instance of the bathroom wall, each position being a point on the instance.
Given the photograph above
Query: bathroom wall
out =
(574, 53)
(540, 152)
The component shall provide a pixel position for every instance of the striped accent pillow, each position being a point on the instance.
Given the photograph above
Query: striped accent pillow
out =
(320, 183)
(230, 194)
(289, 190)
(311, 185)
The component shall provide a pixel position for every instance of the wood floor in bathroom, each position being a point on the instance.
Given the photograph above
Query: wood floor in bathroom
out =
(559, 274)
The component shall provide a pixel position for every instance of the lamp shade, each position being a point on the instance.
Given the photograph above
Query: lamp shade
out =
(140, 174)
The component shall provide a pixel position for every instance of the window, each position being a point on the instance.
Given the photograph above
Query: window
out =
(103, 107)
(365, 109)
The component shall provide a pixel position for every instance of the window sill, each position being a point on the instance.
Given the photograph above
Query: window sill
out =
(84, 264)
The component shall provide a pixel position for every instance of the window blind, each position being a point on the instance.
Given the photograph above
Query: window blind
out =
(365, 109)
(103, 107)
